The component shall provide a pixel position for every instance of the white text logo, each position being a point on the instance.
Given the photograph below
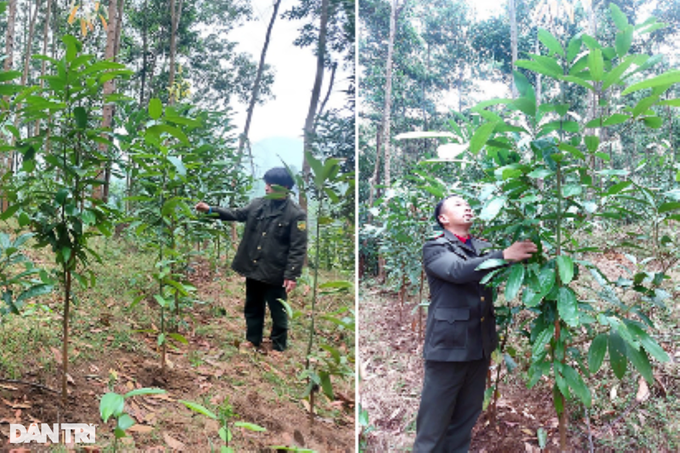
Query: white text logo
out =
(73, 433)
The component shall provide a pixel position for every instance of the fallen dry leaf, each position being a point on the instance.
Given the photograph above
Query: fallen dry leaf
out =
(643, 390)
(57, 354)
(173, 443)
(17, 405)
(7, 387)
(528, 448)
(143, 429)
(70, 380)
(528, 432)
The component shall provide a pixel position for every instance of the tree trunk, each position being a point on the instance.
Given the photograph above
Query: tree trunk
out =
(175, 14)
(100, 191)
(6, 162)
(314, 101)
(388, 93)
(256, 89)
(512, 12)
(43, 65)
(145, 52)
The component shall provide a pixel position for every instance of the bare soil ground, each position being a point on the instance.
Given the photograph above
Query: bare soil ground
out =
(263, 389)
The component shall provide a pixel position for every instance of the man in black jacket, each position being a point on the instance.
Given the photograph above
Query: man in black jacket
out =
(461, 330)
(270, 255)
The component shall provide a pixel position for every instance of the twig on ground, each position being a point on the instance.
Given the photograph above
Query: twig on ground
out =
(590, 433)
(32, 384)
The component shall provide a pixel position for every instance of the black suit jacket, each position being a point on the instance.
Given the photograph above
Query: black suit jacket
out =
(461, 324)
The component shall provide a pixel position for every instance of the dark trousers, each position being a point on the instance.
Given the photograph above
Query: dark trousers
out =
(452, 399)
(258, 296)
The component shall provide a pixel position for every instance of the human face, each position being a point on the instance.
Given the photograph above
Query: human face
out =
(268, 188)
(456, 212)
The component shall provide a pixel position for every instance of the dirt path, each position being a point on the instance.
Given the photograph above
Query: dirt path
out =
(261, 389)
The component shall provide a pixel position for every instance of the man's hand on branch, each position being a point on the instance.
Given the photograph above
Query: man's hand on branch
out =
(289, 285)
(520, 250)
(202, 207)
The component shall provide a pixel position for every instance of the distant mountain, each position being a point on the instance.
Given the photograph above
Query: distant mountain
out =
(270, 152)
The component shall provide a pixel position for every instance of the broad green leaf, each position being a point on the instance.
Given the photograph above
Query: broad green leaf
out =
(596, 353)
(596, 64)
(671, 102)
(624, 39)
(179, 165)
(578, 81)
(669, 206)
(542, 435)
(565, 265)
(198, 408)
(34, 291)
(178, 337)
(620, 19)
(80, 115)
(491, 263)
(492, 208)
(666, 78)
(640, 361)
(576, 383)
(540, 173)
(337, 284)
(326, 384)
(161, 301)
(9, 212)
(542, 339)
(654, 122)
(614, 76)
(144, 391)
(9, 75)
(111, 404)
(616, 188)
(592, 142)
(550, 42)
(567, 306)
(125, 422)
(644, 104)
(514, 281)
(538, 67)
(654, 349)
(616, 118)
(250, 426)
(523, 85)
(424, 134)
(223, 434)
(574, 48)
(546, 280)
(617, 354)
(525, 105)
(481, 136)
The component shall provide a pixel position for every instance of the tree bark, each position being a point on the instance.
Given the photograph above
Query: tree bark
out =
(175, 14)
(314, 101)
(6, 162)
(256, 89)
(388, 93)
(101, 191)
(43, 65)
(512, 12)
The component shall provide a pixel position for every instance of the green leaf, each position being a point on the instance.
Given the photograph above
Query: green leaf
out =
(596, 353)
(576, 383)
(198, 408)
(155, 108)
(567, 306)
(574, 48)
(666, 78)
(640, 361)
(492, 208)
(550, 42)
(546, 280)
(125, 422)
(326, 384)
(542, 435)
(596, 64)
(617, 354)
(616, 118)
(337, 284)
(161, 301)
(524, 87)
(144, 391)
(112, 404)
(654, 122)
(616, 188)
(179, 338)
(179, 165)
(671, 102)
(592, 142)
(80, 115)
(620, 19)
(491, 263)
(161, 339)
(514, 281)
(525, 105)
(577, 81)
(9, 212)
(223, 434)
(250, 426)
(614, 76)
(33, 291)
(653, 348)
(565, 265)
(624, 39)
(481, 136)
(669, 206)
(542, 339)
(539, 67)
(157, 129)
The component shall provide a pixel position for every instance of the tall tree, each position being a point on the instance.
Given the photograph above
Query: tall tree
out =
(512, 12)
(316, 93)
(387, 112)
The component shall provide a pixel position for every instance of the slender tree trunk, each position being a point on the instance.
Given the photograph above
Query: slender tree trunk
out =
(316, 93)
(334, 67)
(512, 12)
(43, 65)
(6, 162)
(256, 88)
(388, 93)
(539, 82)
(175, 15)
(64, 353)
(101, 191)
(145, 52)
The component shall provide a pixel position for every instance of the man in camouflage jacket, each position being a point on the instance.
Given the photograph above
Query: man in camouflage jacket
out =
(270, 256)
